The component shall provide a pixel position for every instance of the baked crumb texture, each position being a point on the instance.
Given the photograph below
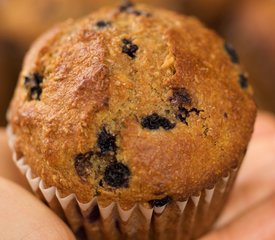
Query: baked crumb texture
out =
(132, 104)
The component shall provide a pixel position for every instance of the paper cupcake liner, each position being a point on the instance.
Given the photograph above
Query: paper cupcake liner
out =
(178, 220)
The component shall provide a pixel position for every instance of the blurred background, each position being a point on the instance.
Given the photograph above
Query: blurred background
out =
(248, 24)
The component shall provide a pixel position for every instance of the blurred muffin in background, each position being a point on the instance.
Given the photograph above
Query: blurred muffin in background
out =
(252, 32)
(211, 12)
(176, 5)
(24, 20)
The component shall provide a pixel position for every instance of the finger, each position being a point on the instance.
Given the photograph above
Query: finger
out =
(265, 124)
(8, 169)
(256, 178)
(258, 223)
(24, 217)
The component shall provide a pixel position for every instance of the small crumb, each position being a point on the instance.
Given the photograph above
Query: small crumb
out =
(169, 60)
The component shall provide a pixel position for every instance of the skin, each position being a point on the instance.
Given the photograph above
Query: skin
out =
(249, 213)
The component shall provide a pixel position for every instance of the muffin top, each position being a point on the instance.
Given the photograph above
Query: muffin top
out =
(132, 104)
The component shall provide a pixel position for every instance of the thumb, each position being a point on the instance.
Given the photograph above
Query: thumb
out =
(25, 217)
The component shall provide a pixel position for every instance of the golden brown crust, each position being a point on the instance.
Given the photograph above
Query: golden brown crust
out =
(180, 71)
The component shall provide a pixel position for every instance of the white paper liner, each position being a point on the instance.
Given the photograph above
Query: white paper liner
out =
(201, 206)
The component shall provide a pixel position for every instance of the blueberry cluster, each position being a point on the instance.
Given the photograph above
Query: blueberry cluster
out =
(129, 48)
(154, 122)
(116, 173)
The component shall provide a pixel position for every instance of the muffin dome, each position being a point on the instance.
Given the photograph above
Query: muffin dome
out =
(133, 104)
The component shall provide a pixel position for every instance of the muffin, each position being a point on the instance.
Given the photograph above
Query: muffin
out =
(252, 32)
(132, 123)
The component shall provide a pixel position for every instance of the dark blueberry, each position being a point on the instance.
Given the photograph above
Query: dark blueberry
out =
(103, 24)
(117, 175)
(83, 164)
(147, 14)
(184, 113)
(136, 12)
(100, 183)
(106, 142)
(231, 52)
(195, 110)
(225, 115)
(128, 7)
(80, 234)
(160, 202)
(94, 215)
(33, 85)
(140, 13)
(124, 7)
(243, 81)
(180, 97)
(126, 41)
(154, 121)
(129, 48)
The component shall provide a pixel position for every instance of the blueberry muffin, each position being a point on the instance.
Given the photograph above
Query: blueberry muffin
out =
(135, 106)
(252, 32)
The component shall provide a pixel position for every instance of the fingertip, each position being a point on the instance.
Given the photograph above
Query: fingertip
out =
(265, 124)
(25, 217)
